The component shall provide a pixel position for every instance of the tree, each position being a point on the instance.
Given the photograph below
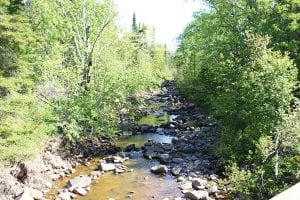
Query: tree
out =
(226, 61)
(134, 26)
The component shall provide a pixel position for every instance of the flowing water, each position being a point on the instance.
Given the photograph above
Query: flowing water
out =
(140, 184)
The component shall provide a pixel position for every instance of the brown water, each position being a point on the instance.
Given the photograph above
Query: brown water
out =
(62, 183)
(140, 184)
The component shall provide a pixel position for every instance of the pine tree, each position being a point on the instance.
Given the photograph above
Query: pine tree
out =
(134, 26)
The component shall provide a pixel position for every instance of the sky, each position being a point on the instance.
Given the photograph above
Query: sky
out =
(169, 17)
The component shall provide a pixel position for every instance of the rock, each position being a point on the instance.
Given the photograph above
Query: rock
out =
(180, 179)
(64, 196)
(161, 169)
(199, 182)
(118, 171)
(131, 147)
(35, 194)
(177, 160)
(54, 177)
(163, 158)
(107, 167)
(150, 154)
(95, 173)
(80, 182)
(213, 189)
(213, 177)
(196, 195)
(26, 196)
(176, 171)
(80, 191)
(117, 159)
(186, 185)
(20, 172)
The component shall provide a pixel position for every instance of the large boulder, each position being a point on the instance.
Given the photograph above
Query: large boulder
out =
(160, 169)
(80, 182)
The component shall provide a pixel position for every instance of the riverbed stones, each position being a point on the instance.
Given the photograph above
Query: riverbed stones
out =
(177, 160)
(186, 185)
(80, 191)
(176, 171)
(213, 189)
(130, 147)
(64, 196)
(80, 182)
(95, 173)
(34, 193)
(107, 167)
(199, 183)
(159, 169)
(26, 196)
(196, 195)
(163, 158)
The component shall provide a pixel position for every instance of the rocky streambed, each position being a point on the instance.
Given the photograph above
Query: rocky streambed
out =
(169, 155)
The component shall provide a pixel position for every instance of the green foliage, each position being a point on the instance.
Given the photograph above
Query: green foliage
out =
(64, 64)
(24, 120)
(226, 62)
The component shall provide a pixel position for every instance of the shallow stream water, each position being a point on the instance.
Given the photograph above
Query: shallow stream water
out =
(140, 184)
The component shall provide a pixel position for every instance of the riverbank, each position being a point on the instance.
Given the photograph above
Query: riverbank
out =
(169, 155)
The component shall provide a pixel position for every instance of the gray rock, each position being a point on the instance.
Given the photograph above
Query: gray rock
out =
(199, 182)
(118, 171)
(35, 194)
(213, 177)
(180, 179)
(213, 189)
(107, 166)
(186, 185)
(80, 182)
(130, 147)
(176, 171)
(95, 173)
(163, 158)
(178, 160)
(196, 195)
(64, 196)
(117, 159)
(150, 154)
(160, 169)
(26, 196)
(80, 191)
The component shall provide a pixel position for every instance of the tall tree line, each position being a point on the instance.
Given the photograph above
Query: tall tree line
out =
(241, 60)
